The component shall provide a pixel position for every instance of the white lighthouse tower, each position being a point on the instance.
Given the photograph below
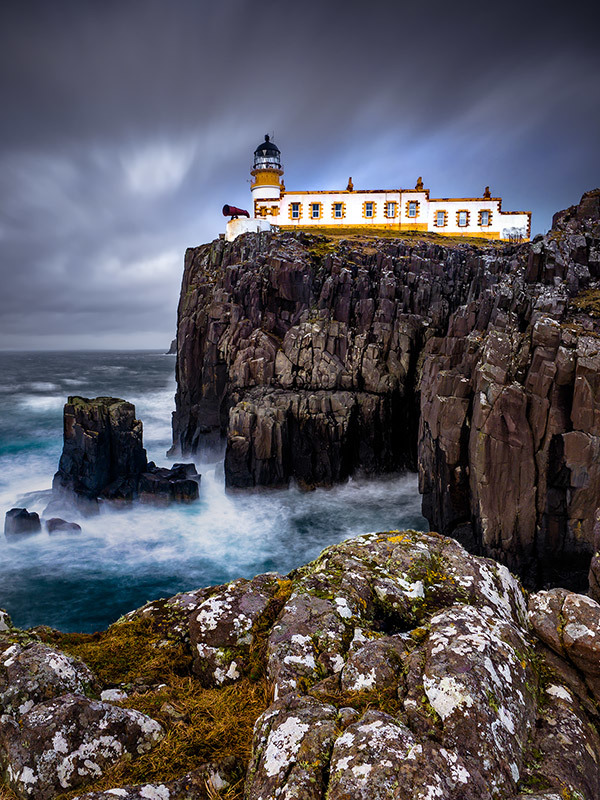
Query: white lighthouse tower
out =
(266, 173)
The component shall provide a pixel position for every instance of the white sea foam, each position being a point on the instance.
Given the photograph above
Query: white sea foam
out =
(124, 557)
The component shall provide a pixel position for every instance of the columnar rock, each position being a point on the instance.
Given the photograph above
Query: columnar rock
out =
(102, 445)
(303, 355)
(509, 442)
(103, 456)
(314, 359)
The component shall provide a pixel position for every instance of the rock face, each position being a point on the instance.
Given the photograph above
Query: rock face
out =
(399, 665)
(286, 343)
(509, 437)
(481, 367)
(103, 456)
(102, 446)
(19, 520)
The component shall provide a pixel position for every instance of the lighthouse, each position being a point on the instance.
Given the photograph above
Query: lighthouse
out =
(267, 183)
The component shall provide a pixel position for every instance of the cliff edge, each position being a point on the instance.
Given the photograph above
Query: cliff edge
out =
(317, 357)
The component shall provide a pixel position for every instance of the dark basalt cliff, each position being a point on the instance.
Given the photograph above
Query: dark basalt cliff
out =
(478, 365)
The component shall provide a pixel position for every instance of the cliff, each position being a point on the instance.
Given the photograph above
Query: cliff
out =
(316, 358)
(394, 665)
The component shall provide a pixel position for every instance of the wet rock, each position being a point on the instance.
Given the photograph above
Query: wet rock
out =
(102, 445)
(103, 457)
(58, 525)
(162, 485)
(19, 520)
(68, 741)
(34, 673)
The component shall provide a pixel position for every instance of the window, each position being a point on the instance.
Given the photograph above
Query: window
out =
(485, 217)
(390, 209)
(369, 209)
(315, 210)
(462, 218)
(440, 219)
(412, 208)
(338, 210)
(295, 210)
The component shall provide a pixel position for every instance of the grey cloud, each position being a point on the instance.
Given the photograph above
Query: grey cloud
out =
(127, 125)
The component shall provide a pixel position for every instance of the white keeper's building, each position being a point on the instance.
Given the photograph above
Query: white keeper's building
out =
(378, 209)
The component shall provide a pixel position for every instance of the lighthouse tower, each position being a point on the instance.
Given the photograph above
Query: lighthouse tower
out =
(266, 173)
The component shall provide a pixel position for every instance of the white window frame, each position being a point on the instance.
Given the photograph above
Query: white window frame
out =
(338, 210)
(487, 213)
(315, 210)
(463, 215)
(295, 210)
(412, 208)
(369, 209)
(440, 215)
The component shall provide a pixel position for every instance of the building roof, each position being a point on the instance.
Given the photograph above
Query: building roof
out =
(266, 148)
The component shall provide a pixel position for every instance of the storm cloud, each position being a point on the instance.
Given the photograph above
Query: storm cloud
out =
(127, 125)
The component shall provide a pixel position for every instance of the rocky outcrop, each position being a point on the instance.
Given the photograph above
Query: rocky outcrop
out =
(509, 436)
(317, 358)
(287, 343)
(103, 457)
(396, 664)
(53, 735)
(59, 745)
(19, 520)
(102, 447)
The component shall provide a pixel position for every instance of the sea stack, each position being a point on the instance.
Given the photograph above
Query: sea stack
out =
(103, 457)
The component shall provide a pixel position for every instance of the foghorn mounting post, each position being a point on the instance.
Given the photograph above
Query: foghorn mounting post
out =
(233, 212)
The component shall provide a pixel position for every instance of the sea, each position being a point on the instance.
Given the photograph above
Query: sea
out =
(124, 557)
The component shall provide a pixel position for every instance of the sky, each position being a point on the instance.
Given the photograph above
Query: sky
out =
(125, 126)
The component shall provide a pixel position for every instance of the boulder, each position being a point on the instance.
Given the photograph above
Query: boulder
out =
(291, 750)
(19, 520)
(58, 525)
(64, 743)
(223, 628)
(35, 673)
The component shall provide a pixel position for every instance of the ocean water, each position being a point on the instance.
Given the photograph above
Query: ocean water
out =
(122, 558)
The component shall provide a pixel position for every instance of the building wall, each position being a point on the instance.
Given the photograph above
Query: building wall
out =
(502, 225)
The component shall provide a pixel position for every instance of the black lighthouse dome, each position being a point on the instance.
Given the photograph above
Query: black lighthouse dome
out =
(267, 155)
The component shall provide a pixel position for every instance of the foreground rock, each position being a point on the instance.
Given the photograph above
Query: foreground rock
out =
(19, 520)
(398, 666)
(103, 457)
(315, 359)
(63, 743)
(203, 783)
(53, 737)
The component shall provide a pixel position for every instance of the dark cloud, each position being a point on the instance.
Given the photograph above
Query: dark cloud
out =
(127, 124)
